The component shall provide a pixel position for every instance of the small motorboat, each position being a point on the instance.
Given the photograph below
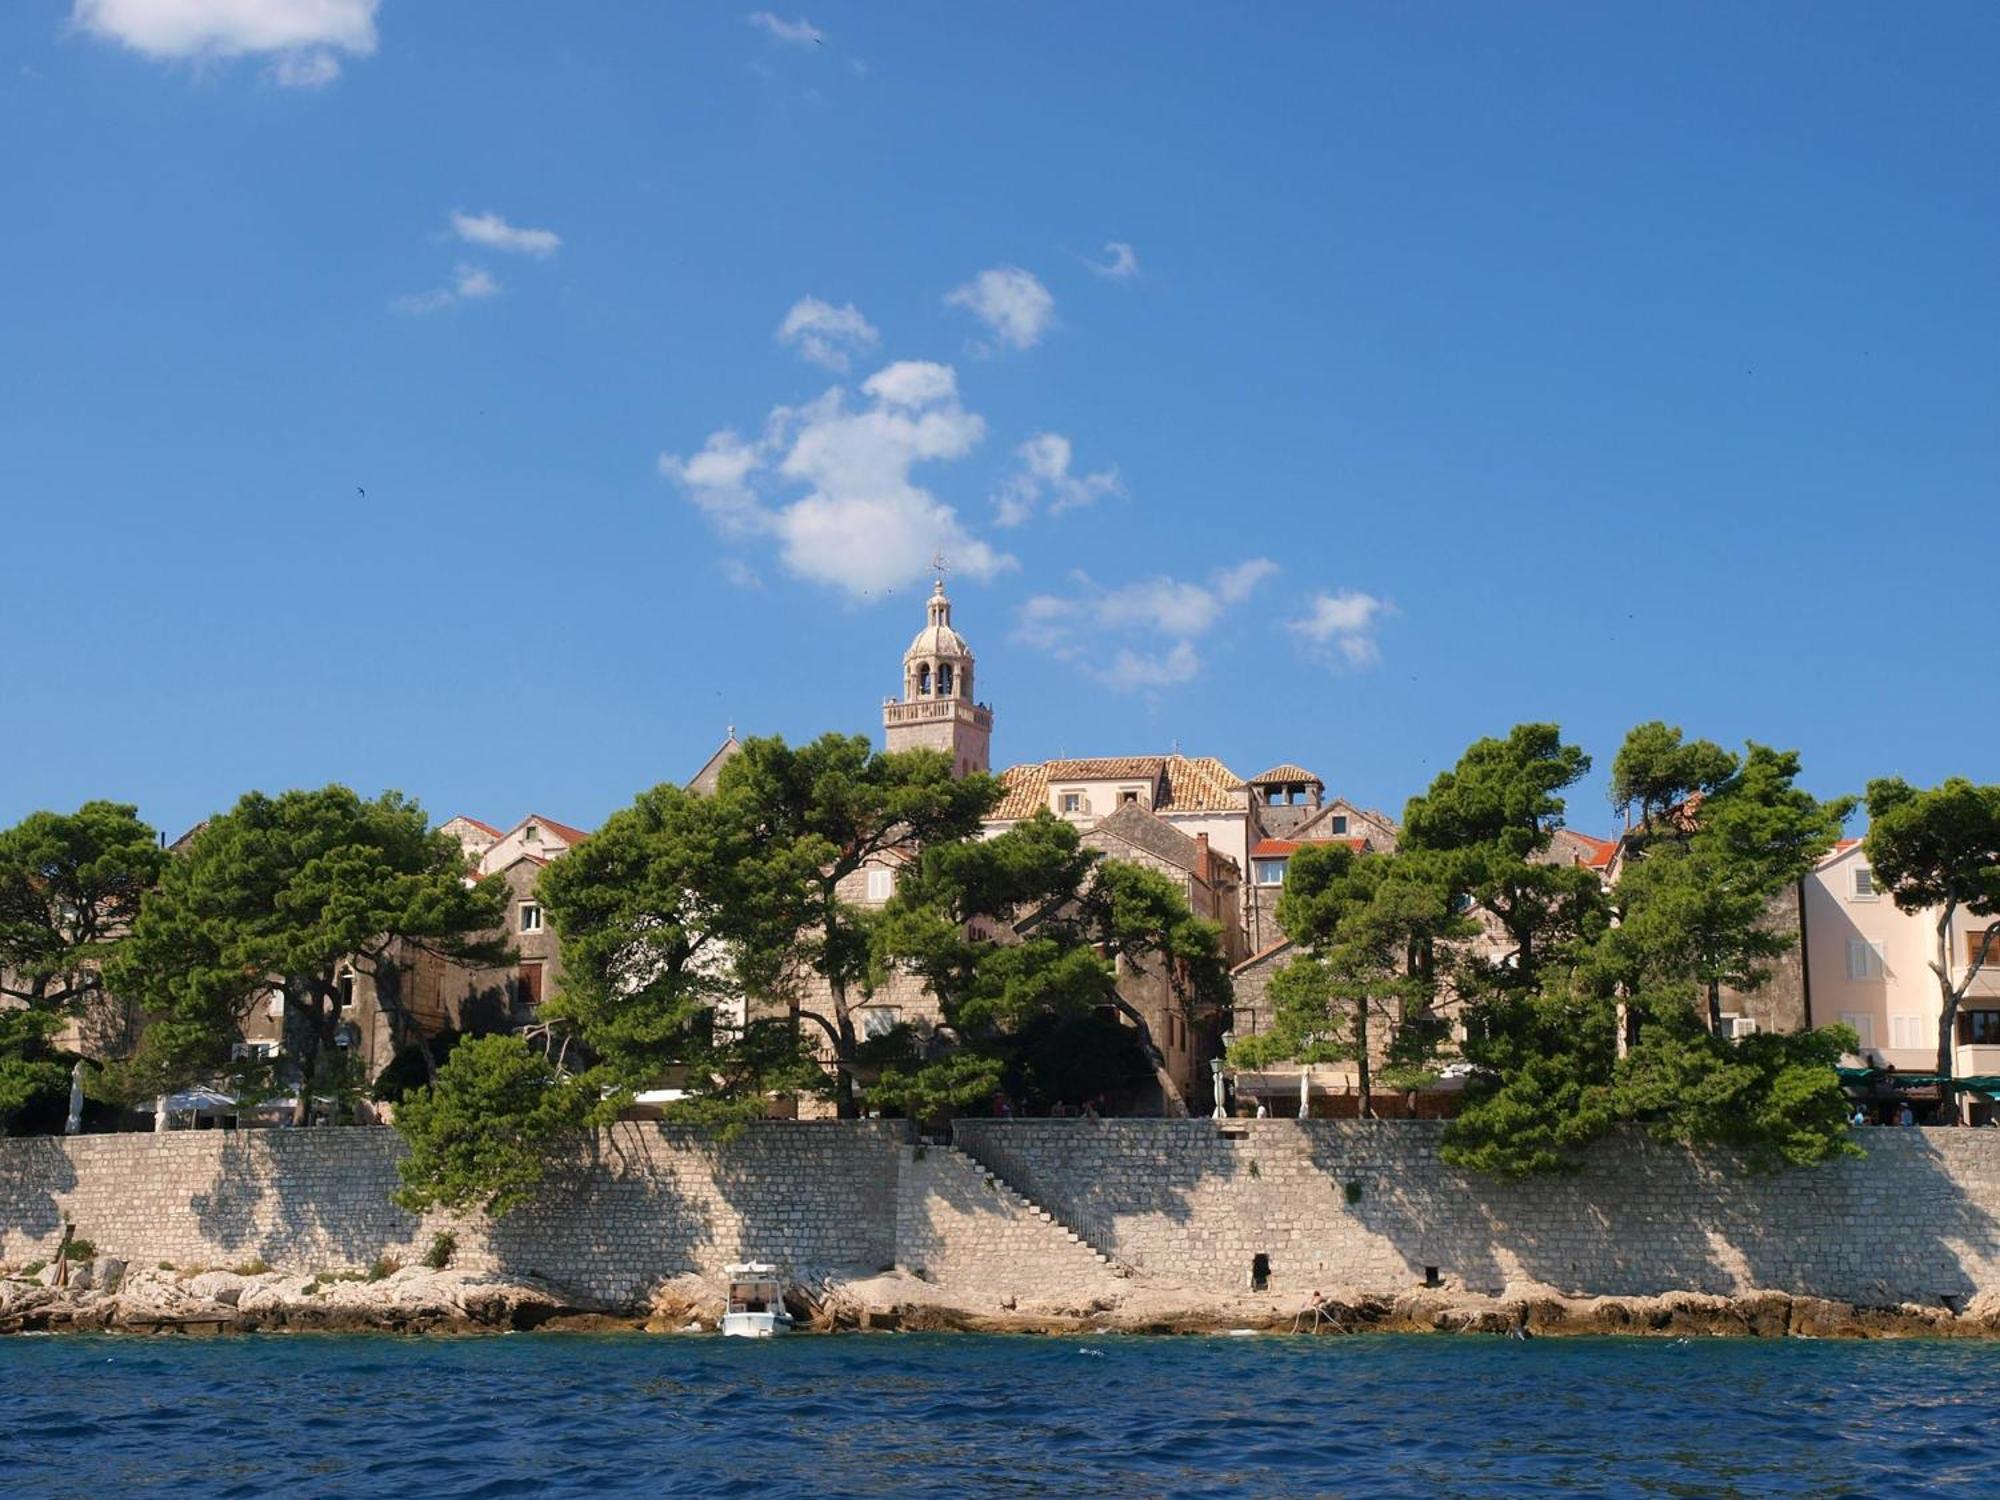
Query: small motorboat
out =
(756, 1306)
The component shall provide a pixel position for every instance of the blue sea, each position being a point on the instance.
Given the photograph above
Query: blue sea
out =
(946, 1415)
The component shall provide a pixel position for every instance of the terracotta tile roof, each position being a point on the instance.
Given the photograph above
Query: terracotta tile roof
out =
(1286, 774)
(562, 831)
(1195, 783)
(1600, 850)
(1273, 848)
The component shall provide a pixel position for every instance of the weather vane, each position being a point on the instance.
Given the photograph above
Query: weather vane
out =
(938, 567)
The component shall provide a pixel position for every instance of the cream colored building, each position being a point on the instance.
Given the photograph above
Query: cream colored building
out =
(1868, 964)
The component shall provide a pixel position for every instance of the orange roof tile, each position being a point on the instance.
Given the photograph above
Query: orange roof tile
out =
(1272, 848)
(1285, 775)
(1195, 783)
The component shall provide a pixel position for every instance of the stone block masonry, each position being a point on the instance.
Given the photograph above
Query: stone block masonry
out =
(647, 1202)
(1369, 1204)
(1328, 1203)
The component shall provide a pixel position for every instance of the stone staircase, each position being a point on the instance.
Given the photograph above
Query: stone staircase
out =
(957, 1222)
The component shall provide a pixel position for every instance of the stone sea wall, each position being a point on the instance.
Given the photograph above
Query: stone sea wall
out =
(648, 1202)
(1328, 1203)
(1369, 1204)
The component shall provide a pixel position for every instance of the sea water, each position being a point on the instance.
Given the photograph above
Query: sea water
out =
(944, 1415)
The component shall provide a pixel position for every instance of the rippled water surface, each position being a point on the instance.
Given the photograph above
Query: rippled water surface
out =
(949, 1415)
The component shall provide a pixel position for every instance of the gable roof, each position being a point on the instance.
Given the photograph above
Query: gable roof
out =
(1264, 957)
(1142, 830)
(1194, 783)
(1276, 848)
(1285, 774)
(486, 828)
(709, 776)
(562, 831)
(1338, 807)
(1598, 851)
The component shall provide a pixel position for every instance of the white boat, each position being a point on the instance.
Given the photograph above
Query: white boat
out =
(756, 1306)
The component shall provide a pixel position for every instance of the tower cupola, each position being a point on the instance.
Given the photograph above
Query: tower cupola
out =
(937, 710)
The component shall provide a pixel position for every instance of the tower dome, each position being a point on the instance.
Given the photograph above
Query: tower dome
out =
(937, 710)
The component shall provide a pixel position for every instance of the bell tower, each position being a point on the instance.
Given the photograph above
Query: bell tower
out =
(937, 710)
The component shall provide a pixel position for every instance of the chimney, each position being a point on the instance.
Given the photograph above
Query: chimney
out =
(1201, 859)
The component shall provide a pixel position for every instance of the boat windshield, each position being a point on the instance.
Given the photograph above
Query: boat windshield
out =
(753, 1296)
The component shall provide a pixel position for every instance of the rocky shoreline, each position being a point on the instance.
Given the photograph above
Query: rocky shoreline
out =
(107, 1296)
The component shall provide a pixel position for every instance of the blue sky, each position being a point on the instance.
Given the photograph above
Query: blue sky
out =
(1463, 365)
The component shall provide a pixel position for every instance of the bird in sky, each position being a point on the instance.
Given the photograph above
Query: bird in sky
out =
(361, 492)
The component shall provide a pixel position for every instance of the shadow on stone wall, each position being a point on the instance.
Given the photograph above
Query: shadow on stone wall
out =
(308, 1197)
(33, 1170)
(1913, 1221)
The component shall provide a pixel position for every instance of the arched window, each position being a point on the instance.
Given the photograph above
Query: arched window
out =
(924, 680)
(944, 680)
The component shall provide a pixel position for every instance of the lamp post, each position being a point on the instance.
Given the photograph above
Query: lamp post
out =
(1221, 1084)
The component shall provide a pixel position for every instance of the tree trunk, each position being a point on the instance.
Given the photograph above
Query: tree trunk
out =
(845, 1105)
(1948, 998)
(1715, 1007)
(1624, 1029)
(1362, 1069)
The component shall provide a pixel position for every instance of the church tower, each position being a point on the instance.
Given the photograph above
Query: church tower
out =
(937, 710)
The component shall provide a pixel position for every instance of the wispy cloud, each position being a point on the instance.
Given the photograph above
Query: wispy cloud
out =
(302, 37)
(1123, 262)
(826, 335)
(799, 33)
(492, 232)
(1015, 307)
(1141, 635)
(1340, 627)
(469, 283)
(1044, 477)
(832, 483)
(741, 575)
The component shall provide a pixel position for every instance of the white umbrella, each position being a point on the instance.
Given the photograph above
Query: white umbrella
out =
(74, 1124)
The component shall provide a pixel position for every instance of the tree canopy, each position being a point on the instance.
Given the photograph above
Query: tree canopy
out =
(282, 894)
(70, 889)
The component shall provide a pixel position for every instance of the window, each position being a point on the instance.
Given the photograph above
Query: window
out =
(531, 834)
(1911, 1033)
(1072, 802)
(275, 1009)
(1979, 1028)
(531, 916)
(1863, 1024)
(881, 885)
(1337, 824)
(1975, 940)
(531, 984)
(1864, 884)
(344, 985)
(1864, 959)
(1269, 871)
(1128, 799)
(944, 680)
(924, 681)
(879, 1022)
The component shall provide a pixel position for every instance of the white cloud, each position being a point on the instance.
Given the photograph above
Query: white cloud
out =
(800, 33)
(469, 283)
(1010, 302)
(1044, 475)
(1343, 625)
(301, 35)
(1123, 265)
(305, 70)
(827, 335)
(492, 232)
(1094, 628)
(741, 575)
(831, 485)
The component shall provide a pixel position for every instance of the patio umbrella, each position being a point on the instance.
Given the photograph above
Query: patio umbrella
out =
(74, 1124)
